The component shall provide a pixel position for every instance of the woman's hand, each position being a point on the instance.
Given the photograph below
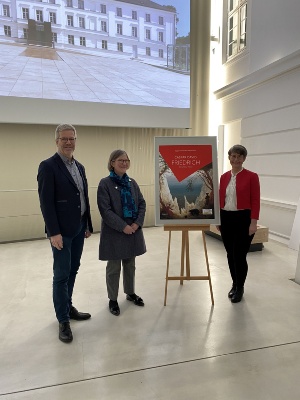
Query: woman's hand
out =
(128, 230)
(252, 227)
(134, 226)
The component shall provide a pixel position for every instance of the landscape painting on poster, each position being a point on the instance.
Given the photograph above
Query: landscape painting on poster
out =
(186, 180)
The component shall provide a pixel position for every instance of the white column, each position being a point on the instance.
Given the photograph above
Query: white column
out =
(200, 66)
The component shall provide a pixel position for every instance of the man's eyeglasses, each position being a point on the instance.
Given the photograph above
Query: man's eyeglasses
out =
(123, 161)
(65, 139)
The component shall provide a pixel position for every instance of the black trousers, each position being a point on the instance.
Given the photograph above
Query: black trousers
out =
(235, 235)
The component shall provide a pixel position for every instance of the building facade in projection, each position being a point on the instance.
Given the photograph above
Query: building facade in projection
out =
(136, 28)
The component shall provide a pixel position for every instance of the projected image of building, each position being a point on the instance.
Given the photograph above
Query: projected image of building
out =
(135, 28)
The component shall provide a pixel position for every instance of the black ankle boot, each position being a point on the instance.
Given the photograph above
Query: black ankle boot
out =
(238, 295)
(232, 291)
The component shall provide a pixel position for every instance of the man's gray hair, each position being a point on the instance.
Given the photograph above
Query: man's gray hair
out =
(64, 127)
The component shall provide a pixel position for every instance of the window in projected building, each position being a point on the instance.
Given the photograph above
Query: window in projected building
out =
(25, 13)
(237, 26)
(52, 17)
(6, 10)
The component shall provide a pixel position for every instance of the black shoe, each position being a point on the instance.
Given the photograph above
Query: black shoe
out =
(138, 301)
(78, 316)
(65, 333)
(238, 295)
(232, 291)
(114, 307)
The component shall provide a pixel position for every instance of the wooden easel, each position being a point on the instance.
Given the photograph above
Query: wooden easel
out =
(186, 255)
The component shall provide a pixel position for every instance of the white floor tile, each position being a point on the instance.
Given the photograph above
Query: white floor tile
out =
(188, 349)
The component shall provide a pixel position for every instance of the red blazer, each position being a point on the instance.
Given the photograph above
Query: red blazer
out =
(247, 191)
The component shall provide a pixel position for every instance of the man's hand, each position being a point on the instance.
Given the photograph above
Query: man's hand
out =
(57, 241)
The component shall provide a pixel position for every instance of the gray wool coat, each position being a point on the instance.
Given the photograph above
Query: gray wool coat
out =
(114, 244)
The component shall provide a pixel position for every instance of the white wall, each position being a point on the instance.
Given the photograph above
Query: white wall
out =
(261, 90)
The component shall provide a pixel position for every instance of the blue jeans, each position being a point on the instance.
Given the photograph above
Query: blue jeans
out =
(66, 263)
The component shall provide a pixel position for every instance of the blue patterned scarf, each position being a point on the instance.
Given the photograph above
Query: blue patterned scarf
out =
(128, 203)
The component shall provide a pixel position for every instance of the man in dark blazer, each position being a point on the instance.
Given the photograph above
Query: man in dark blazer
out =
(63, 192)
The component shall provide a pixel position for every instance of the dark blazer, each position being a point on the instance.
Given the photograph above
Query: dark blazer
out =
(60, 197)
(114, 244)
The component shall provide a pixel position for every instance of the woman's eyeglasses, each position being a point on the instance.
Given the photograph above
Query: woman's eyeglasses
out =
(123, 161)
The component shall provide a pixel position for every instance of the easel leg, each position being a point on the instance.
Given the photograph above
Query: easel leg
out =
(183, 248)
(167, 271)
(207, 266)
(187, 258)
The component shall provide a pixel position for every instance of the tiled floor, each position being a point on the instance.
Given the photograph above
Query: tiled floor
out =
(55, 74)
(186, 350)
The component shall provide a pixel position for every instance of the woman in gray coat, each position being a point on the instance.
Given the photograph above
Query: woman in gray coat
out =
(122, 208)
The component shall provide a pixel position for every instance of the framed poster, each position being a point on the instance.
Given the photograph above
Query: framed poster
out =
(186, 180)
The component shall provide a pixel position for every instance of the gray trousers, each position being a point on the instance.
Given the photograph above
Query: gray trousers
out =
(113, 271)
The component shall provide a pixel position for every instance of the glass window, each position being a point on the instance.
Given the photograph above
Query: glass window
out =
(237, 27)
(148, 34)
(120, 46)
(39, 16)
(148, 18)
(81, 22)
(82, 41)
(54, 37)
(70, 20)
(103, 26)
(119, 12)
(134, 14)
(81, 4)
(232, 4)
(161, 20)
(103, 8)
(25, 33)
(134, 31)
(243, 26)
(6, 10)
(70, 4)
(52, 17)
(25, 13)
(7, 30)
(148, 51)
(104, 44)
(70, 39)
(119, 29)
(160, 36)
(160, 53)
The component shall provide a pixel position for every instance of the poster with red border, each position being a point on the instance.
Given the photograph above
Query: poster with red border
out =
(186, 180)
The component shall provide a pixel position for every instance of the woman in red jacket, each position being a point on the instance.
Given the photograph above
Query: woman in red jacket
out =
(239, 208)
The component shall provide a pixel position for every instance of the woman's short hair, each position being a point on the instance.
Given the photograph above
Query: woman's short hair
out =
(64, 127)
(239, 149)
(114, 155)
